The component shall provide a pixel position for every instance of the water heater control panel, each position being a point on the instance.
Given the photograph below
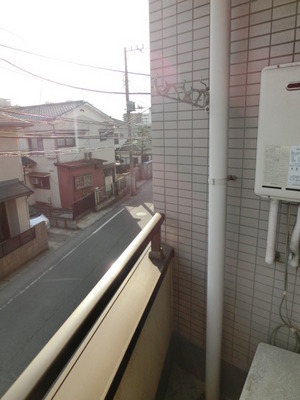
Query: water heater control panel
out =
(278, 143)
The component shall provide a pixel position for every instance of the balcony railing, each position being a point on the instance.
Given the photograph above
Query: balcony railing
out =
(74, 334)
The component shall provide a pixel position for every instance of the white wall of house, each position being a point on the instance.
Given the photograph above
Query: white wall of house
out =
(85, 121)
(44, 165)
(10, 167)
(121, 134)
(17, 214)
(12, 216)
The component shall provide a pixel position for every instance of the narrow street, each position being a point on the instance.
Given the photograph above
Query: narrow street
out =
(36, 300)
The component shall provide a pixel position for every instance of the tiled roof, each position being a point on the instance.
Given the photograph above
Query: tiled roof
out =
(27, 161)
(81, 163)
(44, 112)
(127, 146)
(13, 189)
(11, 121)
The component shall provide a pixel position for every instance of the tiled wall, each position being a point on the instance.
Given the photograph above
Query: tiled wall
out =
(264, 32)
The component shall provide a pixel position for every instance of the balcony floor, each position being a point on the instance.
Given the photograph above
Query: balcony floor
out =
(183, 385)
(183, 375)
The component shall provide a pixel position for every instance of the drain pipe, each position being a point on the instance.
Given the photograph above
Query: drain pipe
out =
(218, 143)
(294, 243)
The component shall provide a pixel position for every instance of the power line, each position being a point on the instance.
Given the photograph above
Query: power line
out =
(49, 153)
(73, 62)
(18, 113)
(55, 152)
(7, 111)
(71, 86)
(15, 72)
(61, 135)
(36, 135)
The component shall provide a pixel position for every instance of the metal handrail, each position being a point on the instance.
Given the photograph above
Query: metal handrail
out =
(41, 373)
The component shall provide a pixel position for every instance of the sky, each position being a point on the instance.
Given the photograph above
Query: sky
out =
(69, 38)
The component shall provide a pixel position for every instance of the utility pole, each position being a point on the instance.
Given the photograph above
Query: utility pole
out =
(129, 108)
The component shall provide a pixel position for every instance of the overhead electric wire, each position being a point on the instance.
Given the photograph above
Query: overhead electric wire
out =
(34, 134)
(65, 136)
(17, 72)
(13, 110)
(73, 62)
(7, 111)
(52, 152)
(72, 86)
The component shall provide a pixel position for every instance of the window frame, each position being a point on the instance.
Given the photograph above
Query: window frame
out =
(65, 142)
(39, 144)
(83, 181)
(40, 182)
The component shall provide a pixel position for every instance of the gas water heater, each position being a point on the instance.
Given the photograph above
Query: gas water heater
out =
(278, 148)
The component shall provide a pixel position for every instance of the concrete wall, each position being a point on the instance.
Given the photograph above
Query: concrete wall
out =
(19, 257)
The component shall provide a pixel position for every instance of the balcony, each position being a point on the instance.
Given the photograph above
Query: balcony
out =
(119, 343)
(115, 343)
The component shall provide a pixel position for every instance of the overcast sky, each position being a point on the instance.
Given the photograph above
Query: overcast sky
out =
(92, 32)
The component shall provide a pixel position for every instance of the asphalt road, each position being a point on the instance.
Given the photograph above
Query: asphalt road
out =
(36, 301)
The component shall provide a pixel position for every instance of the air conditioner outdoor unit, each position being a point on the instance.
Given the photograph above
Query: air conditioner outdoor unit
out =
(34, 180)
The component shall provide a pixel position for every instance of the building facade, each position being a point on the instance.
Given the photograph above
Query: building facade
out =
(14, 217)
(70, 136)
(263, 33)
(18, 242)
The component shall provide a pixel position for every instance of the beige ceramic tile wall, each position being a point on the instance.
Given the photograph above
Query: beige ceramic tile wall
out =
(264, 32)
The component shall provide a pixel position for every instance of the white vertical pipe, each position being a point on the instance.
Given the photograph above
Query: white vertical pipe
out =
(218, 142)
(294, 243)
(272, 229)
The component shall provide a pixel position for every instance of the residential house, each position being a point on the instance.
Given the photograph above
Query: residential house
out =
(18, 243)
(139, 144)
(14, 214)
(69, 150)
(123, 154)
(120, 133)
(141, 131)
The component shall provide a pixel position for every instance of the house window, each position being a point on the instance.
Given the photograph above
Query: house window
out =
(103, 135)
(65, 142)
(35, 144)
(83, 181)
(40, 182)
(108, 172)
